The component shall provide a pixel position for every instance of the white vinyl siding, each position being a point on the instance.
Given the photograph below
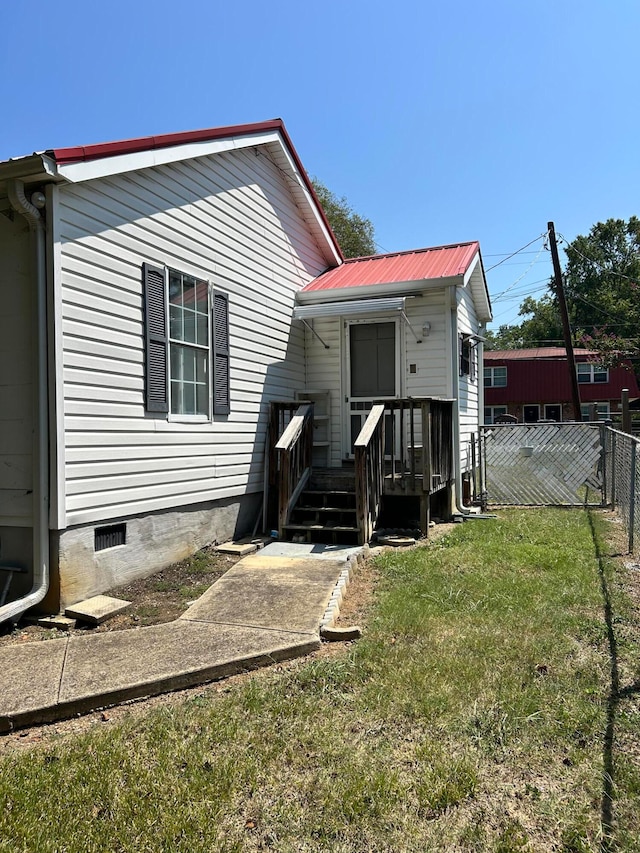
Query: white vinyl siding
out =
(468, 403)
(431, 355)
(229, 219)
(324, 372)
(326, 368)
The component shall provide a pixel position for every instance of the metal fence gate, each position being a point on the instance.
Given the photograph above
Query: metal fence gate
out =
(556, 464)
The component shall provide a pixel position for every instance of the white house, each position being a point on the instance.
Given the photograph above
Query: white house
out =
(157, 295)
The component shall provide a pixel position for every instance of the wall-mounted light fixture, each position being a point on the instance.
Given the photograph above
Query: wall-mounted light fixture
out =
(426, 328)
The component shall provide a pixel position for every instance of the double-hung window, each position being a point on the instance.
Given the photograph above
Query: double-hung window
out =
(591, 373)
(189, 361)
(495, 377)
(187, 345)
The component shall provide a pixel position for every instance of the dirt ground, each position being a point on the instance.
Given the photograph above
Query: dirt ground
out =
(162, 597)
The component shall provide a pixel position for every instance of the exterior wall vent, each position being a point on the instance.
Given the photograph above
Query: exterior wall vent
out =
(109, 537)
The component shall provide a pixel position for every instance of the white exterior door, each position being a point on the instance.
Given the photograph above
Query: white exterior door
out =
(372, 371)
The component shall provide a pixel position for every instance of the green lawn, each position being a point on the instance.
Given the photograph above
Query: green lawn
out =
(476, 713)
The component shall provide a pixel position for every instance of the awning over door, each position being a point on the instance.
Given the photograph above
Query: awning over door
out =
(349, 308)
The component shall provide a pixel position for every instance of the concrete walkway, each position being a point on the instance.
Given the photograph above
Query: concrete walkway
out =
(267, 608)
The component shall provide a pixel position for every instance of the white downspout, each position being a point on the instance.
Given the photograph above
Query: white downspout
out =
(40, 585)
(459, 508)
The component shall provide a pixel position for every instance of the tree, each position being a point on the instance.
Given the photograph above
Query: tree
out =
(541, 328)
(354, 233)
(602, 288)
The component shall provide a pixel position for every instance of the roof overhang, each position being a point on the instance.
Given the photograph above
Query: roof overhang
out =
(34, 169)
(77, 165)
(350, 308)
(375, 291)
(475, 280)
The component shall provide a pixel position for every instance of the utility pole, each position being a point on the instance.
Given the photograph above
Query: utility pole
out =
(564, 314)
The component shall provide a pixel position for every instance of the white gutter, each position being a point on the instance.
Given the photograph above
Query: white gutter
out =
(40, 586)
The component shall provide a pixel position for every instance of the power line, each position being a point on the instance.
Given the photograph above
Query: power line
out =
(530, 243)
(540, 281)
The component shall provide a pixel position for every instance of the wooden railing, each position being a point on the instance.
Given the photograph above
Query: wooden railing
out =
(419, 444)
(293, 461)
(369, 471)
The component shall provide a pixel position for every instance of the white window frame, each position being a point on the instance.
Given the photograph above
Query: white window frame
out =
(467, 356)
(494, 413)
(490, 374)
(603, 411)
(588, 373)
(159, 344)
(175, 343)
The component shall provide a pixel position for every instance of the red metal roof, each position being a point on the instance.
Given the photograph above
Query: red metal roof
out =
(415, 265)
(537, 352)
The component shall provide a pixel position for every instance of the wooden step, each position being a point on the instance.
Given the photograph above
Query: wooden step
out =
(314, 508)
(330, 527)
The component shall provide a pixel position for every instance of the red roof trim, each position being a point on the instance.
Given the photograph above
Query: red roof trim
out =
(166, 140)
(99, 150)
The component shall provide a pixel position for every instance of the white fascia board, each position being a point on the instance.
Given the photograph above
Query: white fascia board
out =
(407, 288)
(479, 291)
(304, 199)
(470, 269)
(104, 167)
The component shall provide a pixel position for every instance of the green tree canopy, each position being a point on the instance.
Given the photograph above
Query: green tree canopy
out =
(354, 233)
(602, 288)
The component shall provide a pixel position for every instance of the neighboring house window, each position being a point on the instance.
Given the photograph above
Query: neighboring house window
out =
(467, 357)
(592, 373)
(531, 414)
(553, 412)
(602, 411)
(187, 353)
(495, 377)
(492, 412)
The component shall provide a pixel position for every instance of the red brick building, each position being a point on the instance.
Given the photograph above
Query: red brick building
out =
(534, 385)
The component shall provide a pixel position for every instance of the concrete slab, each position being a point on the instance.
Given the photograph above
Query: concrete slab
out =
(31, 676)
(305, 549)
(290, 595)
(61, 623)
(107, 668)
(239, 549)
(95, 610)
(301, 568)
(267, 607)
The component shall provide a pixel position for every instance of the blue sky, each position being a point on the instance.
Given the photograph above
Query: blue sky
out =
(439, 122)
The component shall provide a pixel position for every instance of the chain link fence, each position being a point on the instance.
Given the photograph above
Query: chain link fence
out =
(622, 471)
(561, 465)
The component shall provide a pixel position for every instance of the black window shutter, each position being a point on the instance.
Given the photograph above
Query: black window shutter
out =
(220, 350)
(156, 339)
